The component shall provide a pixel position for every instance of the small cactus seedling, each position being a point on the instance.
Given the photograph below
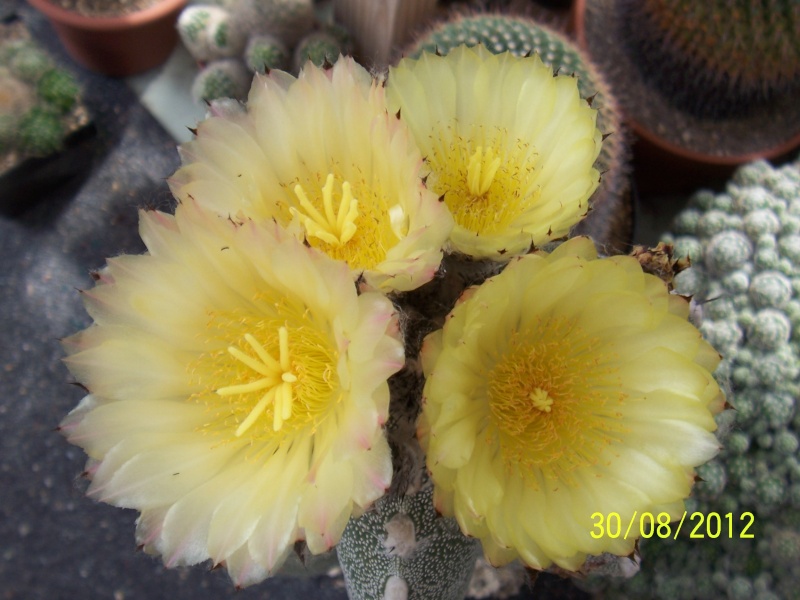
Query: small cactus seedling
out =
(609, 221)
(265, 52)
(227, 78)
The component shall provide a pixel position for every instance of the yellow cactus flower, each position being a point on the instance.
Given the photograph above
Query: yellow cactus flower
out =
(509, 146)
(237, 392)
(322, 156)
(565, 387)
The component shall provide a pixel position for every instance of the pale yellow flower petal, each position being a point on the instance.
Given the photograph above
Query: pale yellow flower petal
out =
(508, 146)
(565, 386)
(238, 392)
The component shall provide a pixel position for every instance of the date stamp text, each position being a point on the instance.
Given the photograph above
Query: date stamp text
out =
(711, 525)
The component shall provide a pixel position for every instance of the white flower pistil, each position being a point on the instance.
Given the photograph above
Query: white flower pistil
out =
(334, 228)
(277, 380)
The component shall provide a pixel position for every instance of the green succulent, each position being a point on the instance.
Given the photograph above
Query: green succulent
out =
(226, 78)
(40, 132)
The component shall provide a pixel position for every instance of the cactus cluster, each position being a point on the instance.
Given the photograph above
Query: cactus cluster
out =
(744, 245)
(36, 100)
(233, 39)
(718, 58)
(521, 36)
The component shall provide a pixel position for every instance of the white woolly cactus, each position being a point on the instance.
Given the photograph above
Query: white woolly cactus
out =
(208, 34)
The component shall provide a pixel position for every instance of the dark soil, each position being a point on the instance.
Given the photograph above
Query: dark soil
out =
(104, 8)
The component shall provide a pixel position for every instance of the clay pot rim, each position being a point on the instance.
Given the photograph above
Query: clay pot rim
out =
(160, 9)
(767, 153)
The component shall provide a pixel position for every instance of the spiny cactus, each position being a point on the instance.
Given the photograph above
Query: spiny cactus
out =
(208, 34)
(257, 34)
(744, 245)
(227, 78)
(37, 101)
(521, 36)
(26, 60)
(265, 52)
(685, 99)
(40, 132)
(58, 89)
(716, 58)
(403, 550)
(288, 20)
(318, 47)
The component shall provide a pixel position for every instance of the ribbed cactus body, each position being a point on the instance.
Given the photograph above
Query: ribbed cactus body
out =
(401, 549)
(716, 58)
(521, 36)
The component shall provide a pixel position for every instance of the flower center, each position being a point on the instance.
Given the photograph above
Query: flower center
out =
(267, 376)
(276, 378)
(334, 228)
(552, 395)
(487, 179)
(349, 220)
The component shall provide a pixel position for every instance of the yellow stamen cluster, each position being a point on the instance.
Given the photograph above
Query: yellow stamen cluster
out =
(547, 402)
(277, 378)
(488, 184)
(358, 232)
(332, 228)
(277, 370)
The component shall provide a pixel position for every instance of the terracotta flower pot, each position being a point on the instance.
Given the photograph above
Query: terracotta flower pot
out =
(121, 45)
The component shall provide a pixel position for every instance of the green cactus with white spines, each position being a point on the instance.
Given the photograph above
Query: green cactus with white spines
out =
(717, 58)
(265, 52)
(258, 34)
(521, 36)
(40, 132)
(226, 78)
(318, 47)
